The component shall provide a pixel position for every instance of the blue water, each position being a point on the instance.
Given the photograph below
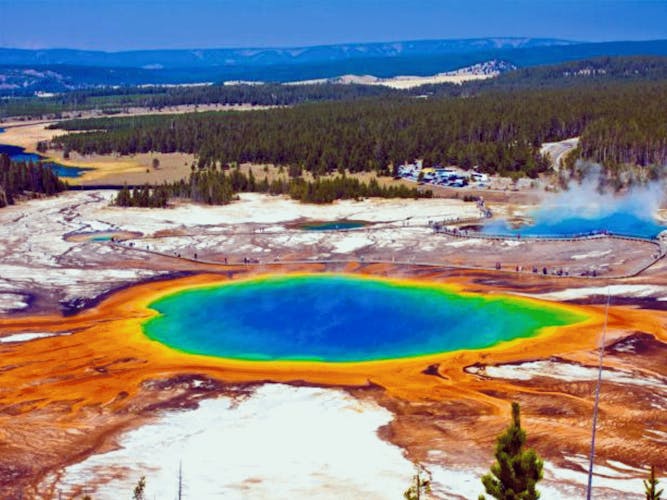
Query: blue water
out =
(332, 225)
(340, 318)
(549, 224)
(18, 154)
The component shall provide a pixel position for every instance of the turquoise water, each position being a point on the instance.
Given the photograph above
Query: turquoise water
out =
(333, 225)
(339, 318)
(100, 236)
(550, 225)
(583, 210)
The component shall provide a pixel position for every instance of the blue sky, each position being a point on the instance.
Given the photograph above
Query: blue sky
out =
(141, 24)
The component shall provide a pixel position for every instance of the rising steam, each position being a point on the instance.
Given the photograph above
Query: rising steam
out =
(586, 208)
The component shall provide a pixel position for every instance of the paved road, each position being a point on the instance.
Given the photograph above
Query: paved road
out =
(558, 150)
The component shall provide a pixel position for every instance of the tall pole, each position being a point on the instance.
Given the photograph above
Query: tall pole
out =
(180, 480)
(597, 398)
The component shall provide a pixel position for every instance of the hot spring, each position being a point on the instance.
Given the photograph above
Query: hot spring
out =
(545, 226)
(339, 225)
(341, 318)
(101, 236)
(583, 211)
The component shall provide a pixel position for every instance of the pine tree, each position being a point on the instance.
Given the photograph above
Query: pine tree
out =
(651, 487)
(140, 490)
(516, 471)
(420, 485)
(123, 198)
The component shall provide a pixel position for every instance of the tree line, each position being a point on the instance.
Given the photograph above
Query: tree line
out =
(586, 72)
(214, 186)
(26, 179)
(497, 132)
(114, 100)
(590, 73)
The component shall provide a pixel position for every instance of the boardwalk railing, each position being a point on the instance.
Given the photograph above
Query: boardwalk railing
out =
(409, 262)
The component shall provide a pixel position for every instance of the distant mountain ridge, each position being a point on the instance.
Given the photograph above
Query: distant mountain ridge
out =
(202, 58)
(420, 58)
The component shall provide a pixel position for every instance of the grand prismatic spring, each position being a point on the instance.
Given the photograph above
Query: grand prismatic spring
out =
(340, 318)
(395, 341)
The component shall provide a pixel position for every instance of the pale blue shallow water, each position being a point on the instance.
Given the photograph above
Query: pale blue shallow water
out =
(549, 224)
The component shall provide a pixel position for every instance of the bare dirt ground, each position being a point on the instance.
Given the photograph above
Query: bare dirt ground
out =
(404, 81)
(131, 170)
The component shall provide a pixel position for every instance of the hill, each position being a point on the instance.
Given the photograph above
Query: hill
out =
(251, 57)
(24, 72)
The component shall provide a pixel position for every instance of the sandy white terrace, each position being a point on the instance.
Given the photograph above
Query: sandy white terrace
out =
(37, 259)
